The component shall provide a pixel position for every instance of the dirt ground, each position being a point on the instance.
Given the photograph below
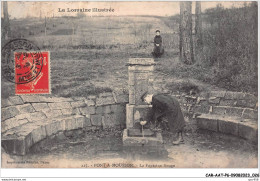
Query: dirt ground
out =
(202, 149)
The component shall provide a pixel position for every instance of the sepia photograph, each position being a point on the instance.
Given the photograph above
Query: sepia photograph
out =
(129, 84)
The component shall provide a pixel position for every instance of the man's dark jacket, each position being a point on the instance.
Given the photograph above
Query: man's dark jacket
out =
(165, 105)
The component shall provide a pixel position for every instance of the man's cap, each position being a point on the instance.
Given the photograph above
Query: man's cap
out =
(157, 31)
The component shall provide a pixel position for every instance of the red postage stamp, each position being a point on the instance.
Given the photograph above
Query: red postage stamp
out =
(32, 73)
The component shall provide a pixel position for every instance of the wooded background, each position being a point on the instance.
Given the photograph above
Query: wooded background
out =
(225, 43)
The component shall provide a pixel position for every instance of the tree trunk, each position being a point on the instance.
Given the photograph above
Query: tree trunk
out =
(186, 42)
(198, 26)
(45, 27)
(6, 24)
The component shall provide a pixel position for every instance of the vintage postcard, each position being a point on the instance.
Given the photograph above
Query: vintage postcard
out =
(129, 84)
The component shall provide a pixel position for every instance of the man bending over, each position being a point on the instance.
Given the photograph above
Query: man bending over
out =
(166, 108)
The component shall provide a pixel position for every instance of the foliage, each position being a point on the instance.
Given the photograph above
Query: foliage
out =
(230, 47)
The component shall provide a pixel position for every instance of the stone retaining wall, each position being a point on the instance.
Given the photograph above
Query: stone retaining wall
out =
(228, 112)
(28, 119)
(228, 103)
(106, 110)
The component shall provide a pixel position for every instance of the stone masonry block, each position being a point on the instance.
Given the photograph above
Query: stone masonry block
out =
(201, 109)
(90, 103)
(37, 116)
(120, 118)
(86, 122)
(76, 111)
(228, 102)
(78, 104)
(142, 76)
(40, 123)
(140, 61)
(228, 126)
(202, 102)
(131, 89)
(204, 95)
(105, 94)
(59, 105)
(150, 143)
(25, 129)
(5, 103)
(108, 121)
(67, 111)
(9, 112)
(234, 111)
(105, 100)
(129, 116)
(4, 126)
(53, 127)
(118, 108)
(28, 139)
(114, 96)
(140, 88)
(25, 108)
(15, 100)
(207, 123)
(17, 146)
(8, 124)
(199, 99)
(234, 95)
(38, 134)
(92, 97)
(96, 120)
(80, 121)
(123, 98)
(217, 94)
(40, 106)
(30, 98)
(131, 98)
(79, 98)
(23, 116)
(220, 110)
(250, 97)
(11, 123)
(52, 113)
(214, 100)
(250, 113)
(8, 142)
(70, 123)
(103, 109)
(120, 90)
(54, 99)
(141, 69)
(88, 110)
(248, 130)
(246, 103)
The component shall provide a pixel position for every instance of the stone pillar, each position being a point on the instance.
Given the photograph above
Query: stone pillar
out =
(140, 71)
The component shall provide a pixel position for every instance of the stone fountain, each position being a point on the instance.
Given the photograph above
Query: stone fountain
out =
(135, 136)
